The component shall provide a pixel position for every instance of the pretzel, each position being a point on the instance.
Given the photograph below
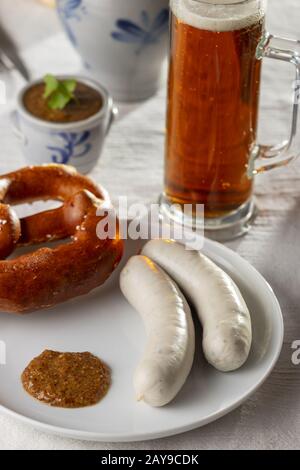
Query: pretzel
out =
(49, 276)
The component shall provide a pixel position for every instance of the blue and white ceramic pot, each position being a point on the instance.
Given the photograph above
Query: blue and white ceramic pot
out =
(76, 143)
(122, 43)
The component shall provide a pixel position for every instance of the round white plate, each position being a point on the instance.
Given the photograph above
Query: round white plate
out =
(104, 324)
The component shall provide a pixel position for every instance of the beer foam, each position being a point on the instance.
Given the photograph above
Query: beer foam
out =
(219, 15)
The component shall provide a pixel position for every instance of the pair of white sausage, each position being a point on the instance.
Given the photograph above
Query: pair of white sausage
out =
(218, 302)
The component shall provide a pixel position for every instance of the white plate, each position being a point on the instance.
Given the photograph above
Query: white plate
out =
(104, 324)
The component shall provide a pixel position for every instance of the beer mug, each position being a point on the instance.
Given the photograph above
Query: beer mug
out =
(211, 152)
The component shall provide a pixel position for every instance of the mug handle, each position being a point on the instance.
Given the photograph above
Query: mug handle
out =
(16, 127)
(113, 114)
(287, 50)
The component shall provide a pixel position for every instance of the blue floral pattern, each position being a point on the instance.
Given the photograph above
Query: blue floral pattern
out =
(74, 145)
(70, 9)
(145, 34)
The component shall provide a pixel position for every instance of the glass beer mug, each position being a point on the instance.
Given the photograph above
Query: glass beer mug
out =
(211, 154)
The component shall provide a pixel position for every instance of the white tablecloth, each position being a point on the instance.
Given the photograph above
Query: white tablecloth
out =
(132, 164)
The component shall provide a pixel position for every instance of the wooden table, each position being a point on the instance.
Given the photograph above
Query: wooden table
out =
(132, 165)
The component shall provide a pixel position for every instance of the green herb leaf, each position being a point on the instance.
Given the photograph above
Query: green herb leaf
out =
(58, 101)
(59, 92)
(51, 85)
(70, 85)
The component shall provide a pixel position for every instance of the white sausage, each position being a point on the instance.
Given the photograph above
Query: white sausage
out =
(220, 306)
(170, 347)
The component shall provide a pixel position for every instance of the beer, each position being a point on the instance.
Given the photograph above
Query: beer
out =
(213, 97)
